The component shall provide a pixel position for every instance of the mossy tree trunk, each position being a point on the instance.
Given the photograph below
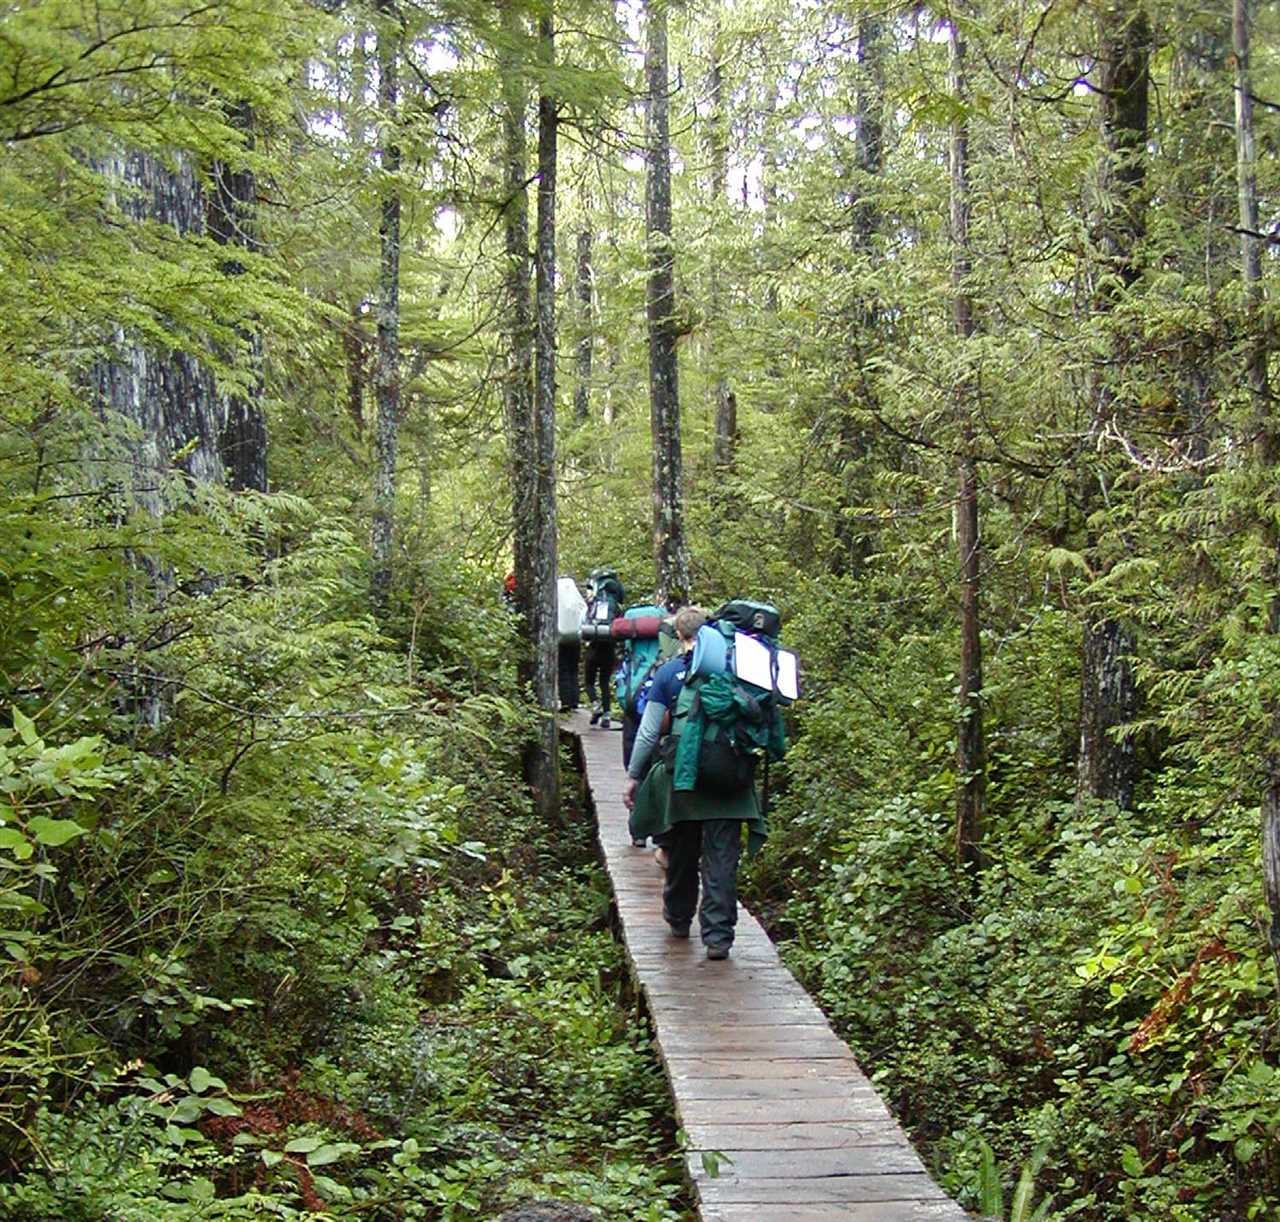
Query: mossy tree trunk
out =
(853, 542)
(517, 327)
(584, 295)
(232, 222)
(1268, 434)
(970, 741)
(725, 437)
(386, 377)
(671, 559)
(1106, 764)
(545, 781)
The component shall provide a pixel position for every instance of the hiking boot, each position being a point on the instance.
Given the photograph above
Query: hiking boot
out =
(660, 858)
(716, 952)
(677, 930)
(595, 716)
(605, 723)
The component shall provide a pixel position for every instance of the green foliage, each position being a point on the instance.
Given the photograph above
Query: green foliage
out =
(1086, 1013)
(299, 945)
(159, 76)
(38, 782)
(249, 834)
(1117, 988)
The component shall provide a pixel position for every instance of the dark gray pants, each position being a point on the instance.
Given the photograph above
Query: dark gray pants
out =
(599, 674)
(630, 728)
(705, 852)
(569, 655)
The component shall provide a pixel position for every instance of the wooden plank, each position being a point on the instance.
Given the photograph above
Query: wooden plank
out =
(729, 1189)
(855, 1162)
(794, 1021)
(751, 1007)
(763, 1088)
(845, 1211)
(788, 1069)
(803, 1109)
(771, 1090)
(731, 979)
(779, 1134)
(753, 1043)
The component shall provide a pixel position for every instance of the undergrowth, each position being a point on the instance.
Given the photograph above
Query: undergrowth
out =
(300, 947)
(1089, 1024)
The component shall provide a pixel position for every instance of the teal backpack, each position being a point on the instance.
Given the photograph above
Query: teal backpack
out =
(641, 657)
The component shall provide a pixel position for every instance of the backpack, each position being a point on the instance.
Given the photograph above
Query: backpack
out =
(758, 619)
(570, 610)
(726, 722)
(604, 596)
(641, 657)
(723, 762)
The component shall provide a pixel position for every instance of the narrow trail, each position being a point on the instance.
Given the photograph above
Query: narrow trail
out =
(766, 1092)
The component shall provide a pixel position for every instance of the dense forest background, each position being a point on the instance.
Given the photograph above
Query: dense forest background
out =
(947, 328)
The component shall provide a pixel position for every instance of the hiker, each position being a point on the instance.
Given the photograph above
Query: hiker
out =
(701, 830)
(570, 609)
(651, 643)
(509, 592)
(605, 597)
(648, 640)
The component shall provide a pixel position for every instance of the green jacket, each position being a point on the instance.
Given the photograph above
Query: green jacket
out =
(659, 807)
(714, 705)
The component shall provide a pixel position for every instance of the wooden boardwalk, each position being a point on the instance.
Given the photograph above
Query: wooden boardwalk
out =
(761, 1083)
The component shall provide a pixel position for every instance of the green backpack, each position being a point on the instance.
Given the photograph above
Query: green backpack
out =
(724, 724)
(604, 596)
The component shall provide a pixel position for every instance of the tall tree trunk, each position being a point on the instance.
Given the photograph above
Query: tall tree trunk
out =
(359, 86)
(418, 407)
(670, 553)
(546, 781)
(232, 221)
(970, 744)
(725, 444)
(769, 211)
(1268, 433)
(769, 246)
(517, 386)
(170, 401)
(386, 378)
(1250, 239)
(170, 398)
(585, 294)
(853, 544)
(355, 340)
(868, 149)
(1106, 765)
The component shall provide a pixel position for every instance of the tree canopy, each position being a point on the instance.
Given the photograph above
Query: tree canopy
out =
(947, 328)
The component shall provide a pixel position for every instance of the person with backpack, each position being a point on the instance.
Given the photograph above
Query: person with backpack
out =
(605, 597)
(699, 817)
(649, 640)
(570, 610)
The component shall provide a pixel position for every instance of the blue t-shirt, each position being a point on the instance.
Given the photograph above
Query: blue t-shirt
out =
(668, 680)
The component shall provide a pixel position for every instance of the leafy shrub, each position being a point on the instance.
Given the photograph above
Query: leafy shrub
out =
(316, 873)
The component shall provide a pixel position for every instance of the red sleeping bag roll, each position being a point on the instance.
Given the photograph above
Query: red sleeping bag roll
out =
(641, 628)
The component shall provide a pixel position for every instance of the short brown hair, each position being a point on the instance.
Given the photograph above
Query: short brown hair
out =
(687, 622)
